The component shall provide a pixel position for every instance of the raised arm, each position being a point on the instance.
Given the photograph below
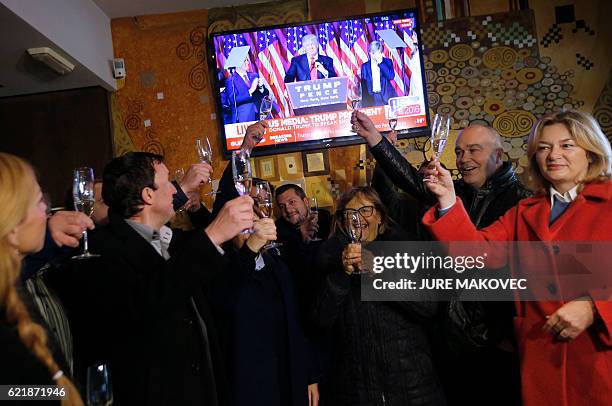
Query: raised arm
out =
(396, 167)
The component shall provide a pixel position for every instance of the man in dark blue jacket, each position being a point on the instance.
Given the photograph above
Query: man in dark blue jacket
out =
(310, 65)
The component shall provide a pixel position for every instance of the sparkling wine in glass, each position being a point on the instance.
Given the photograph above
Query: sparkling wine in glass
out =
(205, 155)
(263, 200)
(314, 211)
(99, 386)
(83, 197)
(439, 133)
(241, 169)
(265, 108)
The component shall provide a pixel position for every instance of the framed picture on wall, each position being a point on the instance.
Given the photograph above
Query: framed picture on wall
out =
(319, 187)
(267, 168)
(290, 166)
(315, 163)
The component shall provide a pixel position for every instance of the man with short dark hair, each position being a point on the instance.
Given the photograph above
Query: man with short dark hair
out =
(140, 306)
(296, 229)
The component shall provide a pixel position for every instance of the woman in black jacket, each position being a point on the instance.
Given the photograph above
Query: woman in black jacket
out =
(380, 350)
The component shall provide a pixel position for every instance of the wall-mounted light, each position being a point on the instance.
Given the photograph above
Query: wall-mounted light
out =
(52, 59)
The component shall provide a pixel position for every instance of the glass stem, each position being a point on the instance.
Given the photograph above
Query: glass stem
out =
(85, 243)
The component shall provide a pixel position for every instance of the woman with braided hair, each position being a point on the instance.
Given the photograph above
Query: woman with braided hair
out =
(26, 358)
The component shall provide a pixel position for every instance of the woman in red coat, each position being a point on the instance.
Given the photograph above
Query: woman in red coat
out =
(566, 345)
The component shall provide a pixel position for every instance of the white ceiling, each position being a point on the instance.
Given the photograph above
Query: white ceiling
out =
(130, 8)
(19, 74)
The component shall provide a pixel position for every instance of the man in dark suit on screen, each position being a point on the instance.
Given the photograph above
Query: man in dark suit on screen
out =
(376, 76)
(310, 65)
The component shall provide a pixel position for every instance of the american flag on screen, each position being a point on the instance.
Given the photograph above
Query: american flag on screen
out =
(346, 42)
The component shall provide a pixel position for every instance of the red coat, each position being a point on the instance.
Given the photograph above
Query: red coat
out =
(576, 372)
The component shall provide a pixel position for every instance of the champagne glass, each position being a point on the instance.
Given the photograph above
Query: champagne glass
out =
(314, 211)
(83, 197)
(99, 386)
(355, 95)
(439, 133)
(241, 169)
(352, 224)
(392, 119)
(264, 204)
(205, 154)
(179, 174)
(265, 108)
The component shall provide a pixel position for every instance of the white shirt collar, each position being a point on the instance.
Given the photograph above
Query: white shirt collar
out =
(566, 197)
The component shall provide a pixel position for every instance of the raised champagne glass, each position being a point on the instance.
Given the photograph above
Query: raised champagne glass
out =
(314, 211)
(265, 108)
(83, 197)
(206, 156)
(243, 178)
(263, 200)
(392, 119)
(353, 229)
(439, 133)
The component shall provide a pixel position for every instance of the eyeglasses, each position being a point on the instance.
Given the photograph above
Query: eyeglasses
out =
(365, 211)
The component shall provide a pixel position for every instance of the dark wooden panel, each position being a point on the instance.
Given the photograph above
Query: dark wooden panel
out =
(58, 132)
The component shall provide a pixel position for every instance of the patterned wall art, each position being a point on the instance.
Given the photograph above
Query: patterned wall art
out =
(603, 108)
(488, 70)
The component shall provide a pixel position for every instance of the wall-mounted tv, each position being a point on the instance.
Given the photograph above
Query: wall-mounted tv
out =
(305, 79)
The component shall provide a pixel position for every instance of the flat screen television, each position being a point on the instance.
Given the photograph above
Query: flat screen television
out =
(306, 78)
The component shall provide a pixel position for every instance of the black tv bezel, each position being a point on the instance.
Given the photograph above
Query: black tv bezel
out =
(321, 143)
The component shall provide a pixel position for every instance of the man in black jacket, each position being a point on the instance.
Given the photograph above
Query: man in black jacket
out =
(140, 306)
(488, 188)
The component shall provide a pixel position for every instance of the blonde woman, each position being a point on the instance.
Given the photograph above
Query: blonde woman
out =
(565, 345)
(26, 359)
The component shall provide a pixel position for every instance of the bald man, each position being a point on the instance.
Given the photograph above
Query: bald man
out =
(488, 187)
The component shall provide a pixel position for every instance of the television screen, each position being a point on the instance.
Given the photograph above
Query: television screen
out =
(306, 79)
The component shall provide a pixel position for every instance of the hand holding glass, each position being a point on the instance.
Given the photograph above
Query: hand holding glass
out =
(83, 196)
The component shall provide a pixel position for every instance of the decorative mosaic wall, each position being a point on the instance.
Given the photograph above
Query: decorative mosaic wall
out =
(488, 70)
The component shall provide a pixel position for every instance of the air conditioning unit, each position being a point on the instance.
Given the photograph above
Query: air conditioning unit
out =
(52, 59)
